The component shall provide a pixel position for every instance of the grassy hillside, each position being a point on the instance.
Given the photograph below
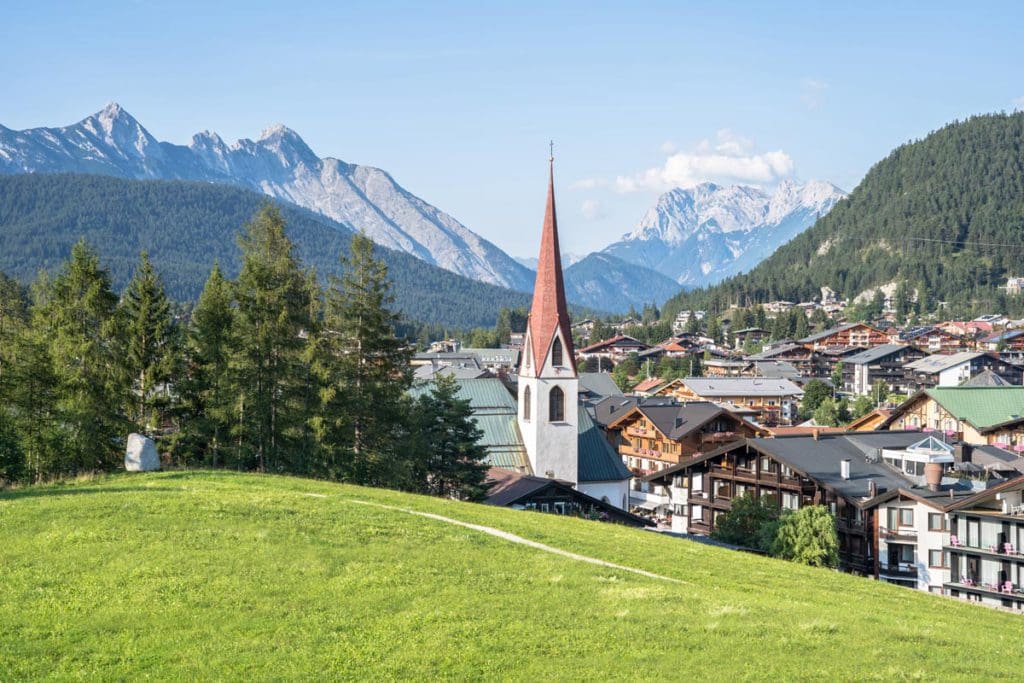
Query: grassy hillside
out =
(186, 226)
(944, 214)
(220, 575)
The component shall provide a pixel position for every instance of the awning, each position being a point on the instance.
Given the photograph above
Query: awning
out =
(648, 506)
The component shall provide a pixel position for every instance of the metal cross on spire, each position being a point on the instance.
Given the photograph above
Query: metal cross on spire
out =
(551, 147)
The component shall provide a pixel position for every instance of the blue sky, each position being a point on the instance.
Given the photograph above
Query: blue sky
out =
(459, 100)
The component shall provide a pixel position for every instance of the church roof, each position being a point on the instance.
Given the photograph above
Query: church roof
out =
(549, 311)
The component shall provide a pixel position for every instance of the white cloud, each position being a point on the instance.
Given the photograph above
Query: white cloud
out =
(1018, 103)
(592, 209)
(812, 92)
(730, 158)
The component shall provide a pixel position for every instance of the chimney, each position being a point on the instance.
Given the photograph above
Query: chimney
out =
(844, 468)
(933, 475)
(872, 488)
(816, 433)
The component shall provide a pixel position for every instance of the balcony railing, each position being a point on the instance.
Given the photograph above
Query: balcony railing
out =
(901, 570)
(899, 532)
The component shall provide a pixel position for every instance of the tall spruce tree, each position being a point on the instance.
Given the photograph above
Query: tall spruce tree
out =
(452, 459)
(205, 397)
(13, 314)
(149, 345)
(75, 316)
(364, 370)
(271, 324)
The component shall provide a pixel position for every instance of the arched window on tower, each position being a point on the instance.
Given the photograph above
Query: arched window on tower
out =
(556, 352)
(556, 405)
(526, 403)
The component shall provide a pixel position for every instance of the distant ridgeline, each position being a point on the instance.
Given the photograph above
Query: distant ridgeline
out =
(186, 226)
(944, 215)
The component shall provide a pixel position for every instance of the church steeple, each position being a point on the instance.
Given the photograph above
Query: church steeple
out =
(549, 313)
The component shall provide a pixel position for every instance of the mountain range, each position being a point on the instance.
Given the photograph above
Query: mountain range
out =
(279, 164)
(942, 215)
(701, 235)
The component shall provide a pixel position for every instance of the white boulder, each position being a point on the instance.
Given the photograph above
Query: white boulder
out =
(141, 455)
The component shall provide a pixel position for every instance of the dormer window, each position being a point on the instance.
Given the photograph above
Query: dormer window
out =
(556, 352)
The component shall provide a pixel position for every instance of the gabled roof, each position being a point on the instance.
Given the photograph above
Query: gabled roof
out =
(617, 340)
(1002, 336)
(741, 386)
(777, 351)
(598, 384)
(940, 362)
(986, 378)
(648, 384)
(984, 408)
(825, 334)
(609, 409)
(875, 354)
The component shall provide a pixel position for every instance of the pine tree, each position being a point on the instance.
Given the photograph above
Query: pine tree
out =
(206, 401)
(75, 317)
(150, 345)
(452, 461)
(266, 373)
(364, 371)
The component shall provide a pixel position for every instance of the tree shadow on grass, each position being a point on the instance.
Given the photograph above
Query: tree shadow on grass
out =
(48, 491)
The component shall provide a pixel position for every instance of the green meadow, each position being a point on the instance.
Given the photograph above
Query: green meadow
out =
(199, 575)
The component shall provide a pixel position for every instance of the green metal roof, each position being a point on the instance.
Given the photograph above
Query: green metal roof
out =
(982, 407)
(596, 459)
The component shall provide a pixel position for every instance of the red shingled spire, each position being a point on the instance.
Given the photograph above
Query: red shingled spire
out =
(549, 311)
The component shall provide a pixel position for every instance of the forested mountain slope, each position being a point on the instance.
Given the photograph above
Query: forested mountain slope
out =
(944, 214)
(186, 226)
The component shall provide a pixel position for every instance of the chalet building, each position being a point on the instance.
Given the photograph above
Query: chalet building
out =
(527, 492)
(723, 367)
(561, 440)
(848, 334)
(653, 436)
(799, 356)
(647, 387)
(751, 335)
(774, 400)
(974, 415)
(860, 371)
(773, 369)
(614, 349)
(955, 369)
(933, 340)
(683, 345)
(841, 471)
(1010, 340)
(831, 357)
(883, 363)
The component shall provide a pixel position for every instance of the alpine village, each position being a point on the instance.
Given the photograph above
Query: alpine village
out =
(270, 415)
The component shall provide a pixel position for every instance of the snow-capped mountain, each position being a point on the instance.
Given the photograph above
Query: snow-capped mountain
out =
(279, 164)
(568, 259)
(700, 235)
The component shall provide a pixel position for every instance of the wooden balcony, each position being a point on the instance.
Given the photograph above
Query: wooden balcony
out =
(898, 534)
(898, 571)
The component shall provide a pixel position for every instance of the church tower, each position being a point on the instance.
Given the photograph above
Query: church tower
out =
(548, 385)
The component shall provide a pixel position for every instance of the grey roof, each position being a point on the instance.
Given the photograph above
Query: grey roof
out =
(677, 421)
(939, 362)
(598, 384)
(875, 354)
(596, 460)
(509, 357)
(741, 386)
(775, 351)
(776, 369)
(820, 460)
(612, 408)
(986, 378)
(828, 333)
(993, 457)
